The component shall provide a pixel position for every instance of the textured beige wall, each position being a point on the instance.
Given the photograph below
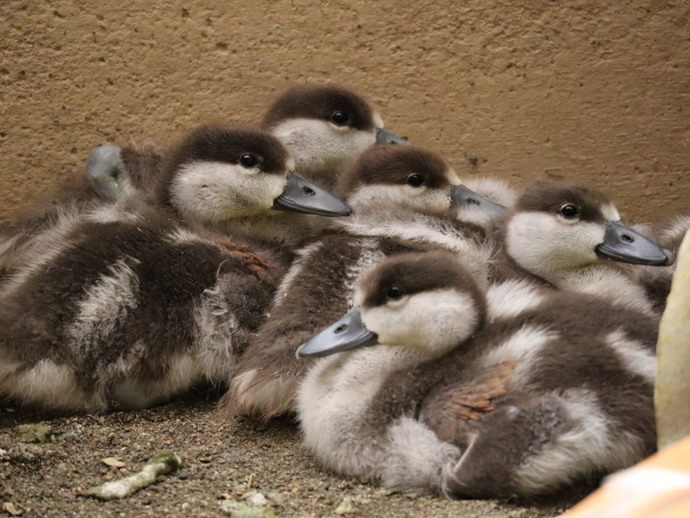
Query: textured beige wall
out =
(577, 89)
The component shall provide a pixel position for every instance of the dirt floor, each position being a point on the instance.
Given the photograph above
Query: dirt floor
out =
(225, 464)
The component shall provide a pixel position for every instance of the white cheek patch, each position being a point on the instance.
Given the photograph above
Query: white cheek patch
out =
(374, 195)
(542, 244)
(358, 297)
(432, 322)
(610, 212)
(214, 191)
(430, 200)
(398, 303)
(318, 146)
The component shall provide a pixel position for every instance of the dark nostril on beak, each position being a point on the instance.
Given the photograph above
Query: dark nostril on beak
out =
(627, 238)
(308, 191)
(341, 328)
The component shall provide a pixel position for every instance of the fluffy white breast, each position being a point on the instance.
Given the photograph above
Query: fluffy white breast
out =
(333, 401)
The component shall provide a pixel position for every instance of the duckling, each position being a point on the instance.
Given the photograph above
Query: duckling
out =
(196, 185)
(440, 384)
(401, 198)
(122, 308)
(567, 233)
(238, 210)
(655, 280)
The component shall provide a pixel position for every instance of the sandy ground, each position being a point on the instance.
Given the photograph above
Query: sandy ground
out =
(223, 460)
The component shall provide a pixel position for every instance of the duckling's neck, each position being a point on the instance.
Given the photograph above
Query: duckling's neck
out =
(603, 280)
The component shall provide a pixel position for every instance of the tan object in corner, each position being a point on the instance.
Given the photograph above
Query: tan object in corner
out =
(672, 390)
(658, 487)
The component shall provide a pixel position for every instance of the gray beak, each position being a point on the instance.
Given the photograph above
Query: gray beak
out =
(385, 137)
(300, 195)
(624, 245)
(103, 168)
(347, 333)
(463, 196)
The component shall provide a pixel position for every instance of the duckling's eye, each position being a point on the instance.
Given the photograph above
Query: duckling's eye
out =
(340, 119)
(395, 292)
(569, 211)
(248, 160)
(415, 180)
